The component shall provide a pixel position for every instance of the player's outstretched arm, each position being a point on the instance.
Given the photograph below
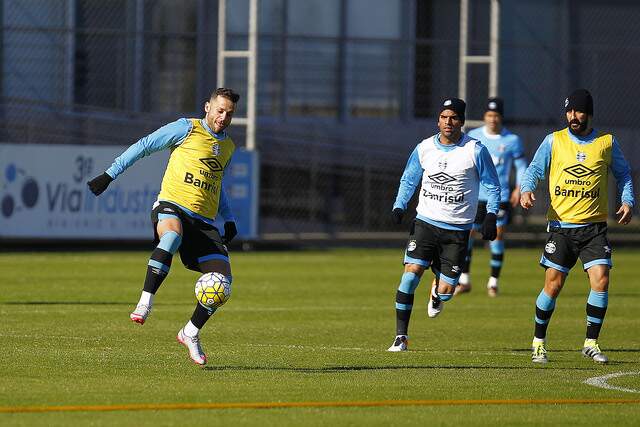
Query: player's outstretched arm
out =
(100, 183)
(625, 212)
(167, 136)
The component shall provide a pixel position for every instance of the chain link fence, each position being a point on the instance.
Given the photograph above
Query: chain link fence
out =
(346, 88)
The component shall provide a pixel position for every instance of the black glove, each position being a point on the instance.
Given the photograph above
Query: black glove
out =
(230, 231)
(100, 183)
(489, 230)
(396, 215)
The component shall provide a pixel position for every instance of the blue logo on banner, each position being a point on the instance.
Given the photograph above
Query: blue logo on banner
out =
(28, 188)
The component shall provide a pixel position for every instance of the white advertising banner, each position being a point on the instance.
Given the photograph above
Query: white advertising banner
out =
(44, 193)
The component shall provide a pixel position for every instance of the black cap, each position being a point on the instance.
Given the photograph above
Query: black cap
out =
(579, 100)
(496, 104)
(454, 104)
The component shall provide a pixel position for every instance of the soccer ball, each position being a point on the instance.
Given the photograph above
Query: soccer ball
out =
(213, 289)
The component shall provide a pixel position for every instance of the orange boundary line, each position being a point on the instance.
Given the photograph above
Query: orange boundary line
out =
(272, 405)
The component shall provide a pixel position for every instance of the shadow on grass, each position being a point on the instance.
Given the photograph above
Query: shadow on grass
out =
(573, 350)
(64, 303)
(336, 369)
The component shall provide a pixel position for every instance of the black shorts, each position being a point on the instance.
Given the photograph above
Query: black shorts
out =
(444, 250)
(200, 241)
(503, 217)
(565, 245)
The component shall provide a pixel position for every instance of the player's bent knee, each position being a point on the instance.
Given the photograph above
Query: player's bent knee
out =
(170, 241)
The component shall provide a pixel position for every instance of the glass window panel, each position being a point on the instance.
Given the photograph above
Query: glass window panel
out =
(374, 77)
(311, 78)
(314, 18)
(374, 18)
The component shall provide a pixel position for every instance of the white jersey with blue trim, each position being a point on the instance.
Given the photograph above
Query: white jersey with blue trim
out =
(450, 176)
(449, 191)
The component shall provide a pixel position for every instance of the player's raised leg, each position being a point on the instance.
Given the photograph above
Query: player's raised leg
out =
(404, 304)
(168, 230)
(189, 335)
(596, 309)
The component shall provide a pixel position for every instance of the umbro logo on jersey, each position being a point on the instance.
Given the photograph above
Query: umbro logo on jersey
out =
(212, 163)
(441, 178)
(579, 171)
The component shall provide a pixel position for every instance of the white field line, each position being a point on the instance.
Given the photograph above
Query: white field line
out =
(601, 381)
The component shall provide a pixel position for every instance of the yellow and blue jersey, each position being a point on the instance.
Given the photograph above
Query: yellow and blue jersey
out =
(507, 152)
(578, 170)
(193, 177)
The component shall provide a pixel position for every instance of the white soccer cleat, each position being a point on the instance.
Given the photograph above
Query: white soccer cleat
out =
(492, 287)
(591, 349)
(435, 306)
(140, 314)
(538, 352)
(193, 345)
(400, 343)
(464, 284)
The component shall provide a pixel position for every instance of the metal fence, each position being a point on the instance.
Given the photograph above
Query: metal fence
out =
(340, 105)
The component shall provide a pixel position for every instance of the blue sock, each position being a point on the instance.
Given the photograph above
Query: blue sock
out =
(160, 261)
(497, 256)
(596, 309)
(544, 309)
(404, 301)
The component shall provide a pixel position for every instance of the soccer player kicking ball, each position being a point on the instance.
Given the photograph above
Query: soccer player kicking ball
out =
(191, 196)
(506, 152)
(577, 160)
(450, 166)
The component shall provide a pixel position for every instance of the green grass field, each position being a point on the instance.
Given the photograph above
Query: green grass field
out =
(305, 326)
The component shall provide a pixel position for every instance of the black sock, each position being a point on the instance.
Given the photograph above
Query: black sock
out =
(496, 264)
(593, 327)
(201, 315)
(403, 316)
(157, 270)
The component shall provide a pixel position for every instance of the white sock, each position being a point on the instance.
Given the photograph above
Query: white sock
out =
(190, 329)
(538, 340)
(146, 298)
(464, 279)
(493, 282)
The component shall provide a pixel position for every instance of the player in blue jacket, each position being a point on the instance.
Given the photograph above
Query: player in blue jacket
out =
(507, 152)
